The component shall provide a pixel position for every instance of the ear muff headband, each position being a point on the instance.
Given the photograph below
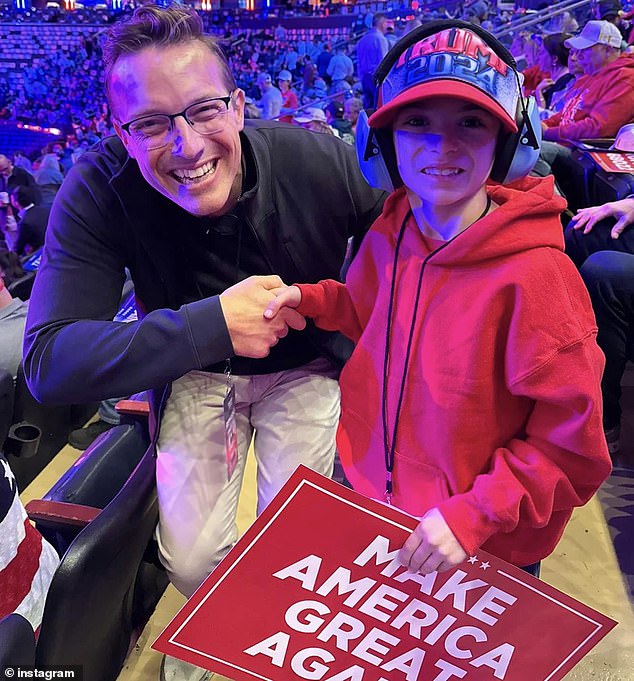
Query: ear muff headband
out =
(516, 153)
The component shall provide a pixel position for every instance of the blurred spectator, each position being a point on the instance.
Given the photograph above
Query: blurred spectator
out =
(370, 51)
(351, 109)
(599, 103)
(20, 160)
(323, 60)
(13, 176)
(335, 118)
(289, 96)
(340, 70)
(49, 178)
(31, 221)
(271, 100)
(12, 316)
(313, 118)
(553, 59)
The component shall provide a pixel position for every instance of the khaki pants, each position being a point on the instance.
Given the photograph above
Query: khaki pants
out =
(294, 415)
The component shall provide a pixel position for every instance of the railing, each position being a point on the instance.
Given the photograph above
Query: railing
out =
(541, 17)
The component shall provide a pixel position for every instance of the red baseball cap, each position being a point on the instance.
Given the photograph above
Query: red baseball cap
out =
(455, 62)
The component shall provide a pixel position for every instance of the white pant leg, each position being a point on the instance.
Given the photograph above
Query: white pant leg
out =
(295, 418)
(197, 505)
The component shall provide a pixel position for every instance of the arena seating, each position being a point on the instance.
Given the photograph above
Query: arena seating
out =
(109, 580)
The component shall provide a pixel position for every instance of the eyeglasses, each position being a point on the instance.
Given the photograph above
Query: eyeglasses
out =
(207, 117)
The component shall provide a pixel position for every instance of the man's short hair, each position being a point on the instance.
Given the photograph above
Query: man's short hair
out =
(378, 18)
(25, 196)
(151, 26)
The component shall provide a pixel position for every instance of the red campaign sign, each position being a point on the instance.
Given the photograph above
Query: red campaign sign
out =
(313, 591)
(614, 161)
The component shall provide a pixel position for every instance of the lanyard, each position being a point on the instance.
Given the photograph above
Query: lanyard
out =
(390, 447)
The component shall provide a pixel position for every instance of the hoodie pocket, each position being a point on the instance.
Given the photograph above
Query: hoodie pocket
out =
(417, 484)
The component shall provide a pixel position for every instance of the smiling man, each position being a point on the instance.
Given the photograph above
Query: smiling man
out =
(196, 205)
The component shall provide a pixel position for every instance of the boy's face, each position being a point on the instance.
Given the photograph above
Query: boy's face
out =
(445, 149)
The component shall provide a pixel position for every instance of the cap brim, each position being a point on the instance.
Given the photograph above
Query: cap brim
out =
(383, 116)
(579, 43)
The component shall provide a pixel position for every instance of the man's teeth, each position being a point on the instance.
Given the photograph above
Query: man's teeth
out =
(187, 176)
(442, 171)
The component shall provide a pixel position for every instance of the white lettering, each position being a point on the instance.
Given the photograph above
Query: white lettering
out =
(437, 632)
(340, 579)
(315, 670)
(408, 616)
(451, 642)
(455, 587)
(344, 628)
(380, 599)
(310, 623)
(498, 659)
(304, 570)
(274, 647)
(372, 644)
(352, 674)
(409, 663)
(487, 601)
(379, 550)
(448, 670)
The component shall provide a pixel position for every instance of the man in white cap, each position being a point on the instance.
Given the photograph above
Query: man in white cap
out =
(601, 101)
(271, 101)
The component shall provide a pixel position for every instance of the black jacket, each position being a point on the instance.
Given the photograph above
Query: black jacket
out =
(31, 229)
(309, 199)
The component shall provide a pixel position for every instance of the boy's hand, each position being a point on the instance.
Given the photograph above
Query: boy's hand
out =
(623, 210)
(285, 296)
(432, 546)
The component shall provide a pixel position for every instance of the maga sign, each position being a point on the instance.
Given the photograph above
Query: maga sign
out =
(313, 591)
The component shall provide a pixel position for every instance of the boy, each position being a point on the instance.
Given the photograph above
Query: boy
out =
(473, 397)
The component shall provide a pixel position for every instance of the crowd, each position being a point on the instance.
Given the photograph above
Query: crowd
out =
(252, 217)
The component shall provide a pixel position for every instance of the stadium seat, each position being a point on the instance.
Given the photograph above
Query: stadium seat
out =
(54, 424)
(21, 288)
(107, 584)
(608, 187)
(17, 642)
(93, 481)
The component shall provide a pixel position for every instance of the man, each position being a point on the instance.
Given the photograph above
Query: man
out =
(12, 317)
(32, 221)
(192, 201)
(600, 102)
(597, 105)
(11, 177)
(271, 100)
(340, 69)
(370, 51)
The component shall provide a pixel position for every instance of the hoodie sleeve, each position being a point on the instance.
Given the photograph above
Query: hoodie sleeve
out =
(557, 465)
(329, 304)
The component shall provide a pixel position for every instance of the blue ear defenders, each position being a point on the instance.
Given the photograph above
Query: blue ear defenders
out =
(516, 152)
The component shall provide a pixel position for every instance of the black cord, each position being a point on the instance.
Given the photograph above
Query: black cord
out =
(390, 448)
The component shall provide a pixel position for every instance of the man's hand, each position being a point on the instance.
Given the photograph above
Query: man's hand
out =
(243, 305)
(432, 546)
(623, 210)
(285, 296)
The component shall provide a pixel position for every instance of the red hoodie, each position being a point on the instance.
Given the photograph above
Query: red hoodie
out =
(597, 105)
(500, 426)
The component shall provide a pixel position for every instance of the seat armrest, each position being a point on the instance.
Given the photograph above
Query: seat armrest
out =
(133, 408)
(61, 513)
